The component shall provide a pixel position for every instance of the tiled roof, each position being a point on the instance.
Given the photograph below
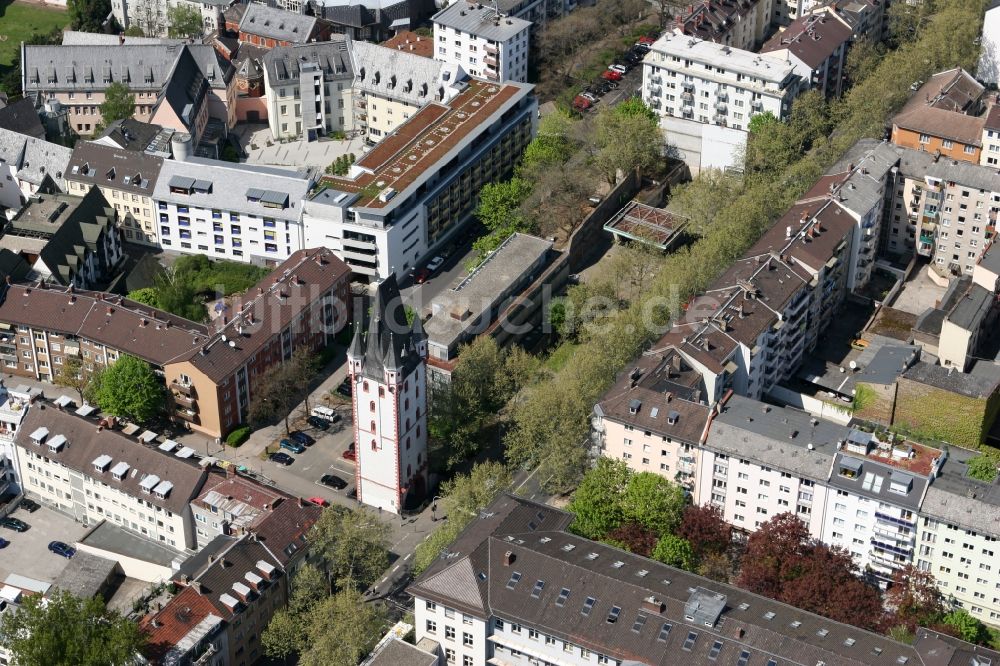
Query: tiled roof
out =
(812, 38)
(85, 443)
(180, 617)
(263, 311)
(411, 42)
(283, 530)
(404, 75)
(21, 117)
(216, 580)
(116, 168)
(277, 24)
(532, 540)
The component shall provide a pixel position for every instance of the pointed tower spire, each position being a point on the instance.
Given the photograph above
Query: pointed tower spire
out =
(356, 350)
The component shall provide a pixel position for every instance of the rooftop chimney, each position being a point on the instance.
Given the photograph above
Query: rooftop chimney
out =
(508, 558)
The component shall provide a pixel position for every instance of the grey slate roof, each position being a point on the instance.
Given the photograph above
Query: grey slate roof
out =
(144, 67)
(859, 485)
(277, 24)
(872, 159)
(333, 57)
(78, 38)
(991, 258)
(965, 173)
(402, 75)
(126, 170)
(480, 20)
(956, 498)
(230, 184)
(35, 159)
(980, 382)
(514, 534)
(971, 308)
(86, 575)
(22, 118)
(779, 437)
(400, 653)
(390, 342)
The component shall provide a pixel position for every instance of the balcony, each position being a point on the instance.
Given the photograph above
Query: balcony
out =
(491, 49)
(360, 103)
(904, 522)
(182, 388)
(491, 61)
(722, 95)
(656, 80)
(757, 105)
(896, 536)
(492, 76)
(206, 656)
(720, 106)
(187, 415)
(687, 97)
(186, 400)
(687, 85)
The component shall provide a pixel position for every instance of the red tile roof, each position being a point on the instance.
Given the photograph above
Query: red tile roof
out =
(177, 618)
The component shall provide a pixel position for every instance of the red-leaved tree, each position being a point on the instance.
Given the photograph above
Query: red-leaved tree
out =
(635, 538)
(913, 600)
(784, 563)
(705, 530)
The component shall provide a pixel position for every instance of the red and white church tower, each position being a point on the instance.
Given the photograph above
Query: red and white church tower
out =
(388, 368)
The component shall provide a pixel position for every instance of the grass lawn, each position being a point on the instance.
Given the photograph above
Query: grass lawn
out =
(20, 20)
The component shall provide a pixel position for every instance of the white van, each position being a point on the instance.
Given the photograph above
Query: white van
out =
(323, 412)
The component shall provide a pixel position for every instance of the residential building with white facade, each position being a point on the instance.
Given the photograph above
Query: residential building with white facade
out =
(391, 85)
(95, 474)
(231, 211)
(518, 588)
(29, 166)
(990, 155)
(412, 192)
(309, 89)
(740, 24)
(388, 366)
(484, 43)
(706, 93)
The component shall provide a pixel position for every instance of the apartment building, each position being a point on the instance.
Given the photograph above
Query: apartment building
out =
(137, 137)
(29, 166)
(210, 377)
(957, 538)
(706, 93)
(483, 42)
(392, 85)
(67, 240)
(866, 18)
(518, 588)
(268, 27)
(309, 89)
(231, 211)
(415, 189)
(78, 76)
(955, 330)
(759, 461)
(653, 420)
(368, 20)
(988, 68)
(125, 178)
(96, 474)
(990, 155)
(14, 405)
(944, 118)
(739, 24)
(232, 505)
(951, 203)
(816, 46)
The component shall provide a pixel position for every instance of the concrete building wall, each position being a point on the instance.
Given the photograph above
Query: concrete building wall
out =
(964, 565)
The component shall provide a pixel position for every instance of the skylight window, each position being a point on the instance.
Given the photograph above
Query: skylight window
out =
(537, 590)
(744, 606)
(563, 596)
(744, 658)
(664, 632)
(642, 573)
(568, 547)
(640, 622)
(618, 565)
(613, 614)
(822, 633)
(591, 556)
(795, 624)
(849, 642)
(769, 615)
(514, 578)
(772, 662)
(689, 641)
(588, 605)
(713, 654)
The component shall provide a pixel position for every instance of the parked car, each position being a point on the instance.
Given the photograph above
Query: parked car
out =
(350, 453)
(332, 481)
(14, 524)
(282, 458)
(581, 103)
(590, 96)
(318, 422)
(4, 543)
(422, 275)
(648, 40)
(345, 388)
(29, 505)
(302, 438)
(621, 69)
(60, 548)
(318, 501)
(611, 75)
(435, 263)
(294, 447)
(641, 47)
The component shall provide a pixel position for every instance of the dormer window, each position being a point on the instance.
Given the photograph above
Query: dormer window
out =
(101, 463)
(119, 471)
(39, 435)
(849, 468)
(634, 406)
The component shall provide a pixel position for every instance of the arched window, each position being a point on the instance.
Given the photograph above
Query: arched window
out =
(364, 386)
(371, 405)
(407, 424)
(406, 384)
(374, 445)
(406, 404)
(373, 427)
(407, 443)
(381, 391)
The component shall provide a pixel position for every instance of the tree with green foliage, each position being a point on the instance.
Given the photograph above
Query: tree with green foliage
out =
(88, 15)
(499, 202)
(128, 388)
(635, 107)
(146, 296)
(353, 545)
(462, 498)
(118, 104)
(64, 629)
(281, 387)
(702, 198)
(967, 627)
(287, 632)
(654, 502)
(342, 629)
(184, 20)
(134, 31)
(73, 374)
(625, 140)
(597, 505)
(983, 467)
(674, 551)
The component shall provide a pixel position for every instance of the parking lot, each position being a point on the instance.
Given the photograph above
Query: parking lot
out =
(28, 553)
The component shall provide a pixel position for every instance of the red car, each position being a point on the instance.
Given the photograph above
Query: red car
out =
(581, 103)
(609, 75)
(350, 453)
(319, 501)
(647, 40)
(421, 276)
